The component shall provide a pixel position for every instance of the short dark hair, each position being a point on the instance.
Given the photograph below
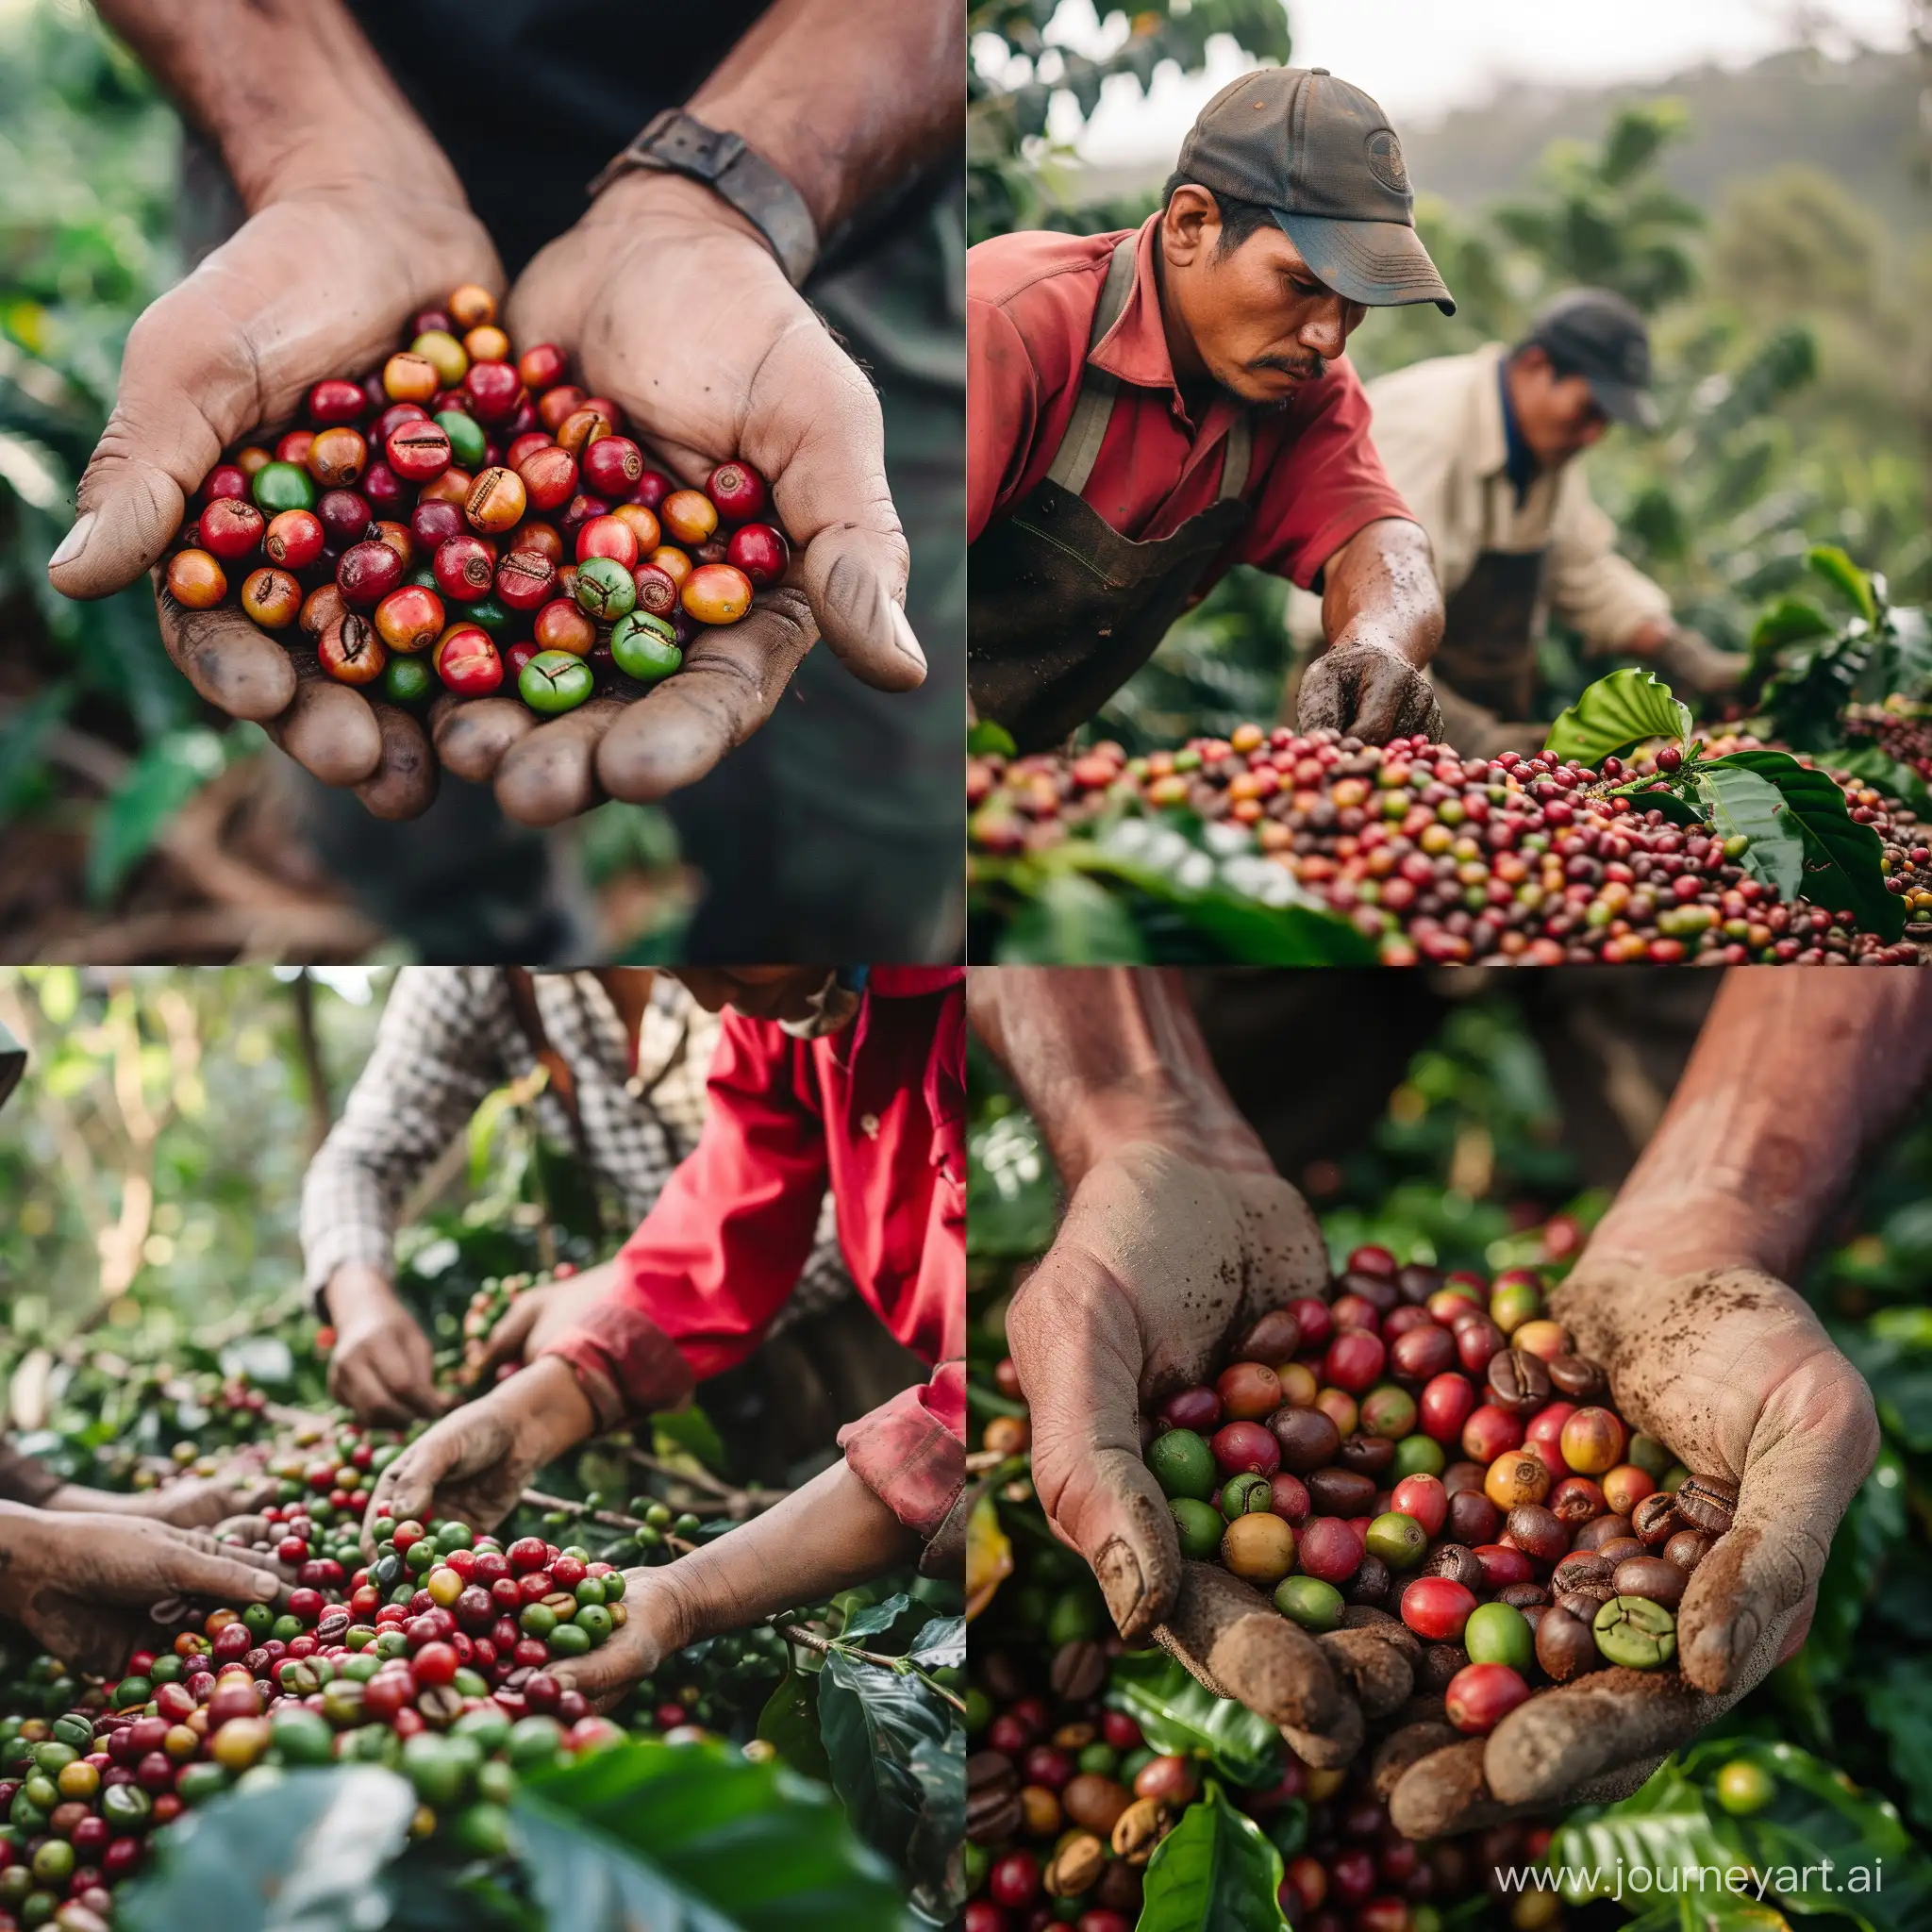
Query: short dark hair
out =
(1238, 219)
(1560, 365)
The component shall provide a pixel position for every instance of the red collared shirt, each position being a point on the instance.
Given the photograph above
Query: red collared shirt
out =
(1314, 481)
(878, 1112)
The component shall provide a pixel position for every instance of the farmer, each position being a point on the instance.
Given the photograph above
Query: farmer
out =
(1486, 448)
(1146, 409)
(1178, 1232)
(80, 1568)
(813, 1087)
(623, 1055)
(384, 152)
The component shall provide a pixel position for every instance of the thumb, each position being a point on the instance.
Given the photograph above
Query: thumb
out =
(194, 1571)
(1078, 1357)
(187, 385)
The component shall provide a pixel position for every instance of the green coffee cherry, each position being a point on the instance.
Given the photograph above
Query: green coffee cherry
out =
(1183, 1464)
(1310, 1602)
(1496, 1633)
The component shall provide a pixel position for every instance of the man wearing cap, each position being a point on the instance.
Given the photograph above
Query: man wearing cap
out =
(1484, 447)
(1147, 410)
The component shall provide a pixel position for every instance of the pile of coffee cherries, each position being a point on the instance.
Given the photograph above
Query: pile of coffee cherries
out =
(1317, 1468)
(434, 1666)
(470, 516)
(1443, 859)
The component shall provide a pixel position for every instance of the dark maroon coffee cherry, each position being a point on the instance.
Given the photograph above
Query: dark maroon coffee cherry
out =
(1477, 1340)
(1308, 1440)
(1464, 1476)
(1378, 1290)
(1564, 1647)
(1370, 1584)
(1272, 1339)
(1662, 1582)
(1578, 1379)
(1600, 1530)
(1421, 1354)
(1368, 1455)
(1655, 1521)
(1416, 1283)
(1473, 1518)
(1342, 1493)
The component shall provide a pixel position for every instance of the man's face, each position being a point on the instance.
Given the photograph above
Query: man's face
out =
(1558, 415)
(1259, 323)
(760, 993)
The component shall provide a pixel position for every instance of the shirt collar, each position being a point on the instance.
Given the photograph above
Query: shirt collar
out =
(1135, 348)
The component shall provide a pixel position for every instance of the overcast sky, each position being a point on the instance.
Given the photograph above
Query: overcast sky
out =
(1422, 57)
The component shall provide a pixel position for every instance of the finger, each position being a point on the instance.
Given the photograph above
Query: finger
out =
(329, 730)
(409, 1369)
(197, 1572)
(552, 774)
(403, 786)
(612, 1667)
(1375, 1667)
(1403, 1748)
(1232, 1638)
(1810, 1449)
(237, 668)
(1445, 1793)
(471, 735)
(1568, 1735)
(1098, 1494)
(409, 1485)
(248, 1527)
(1394, 699)
(504, 1343)
(355, 1382)
(731, 682)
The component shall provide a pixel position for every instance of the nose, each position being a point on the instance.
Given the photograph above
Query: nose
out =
(1326, 331)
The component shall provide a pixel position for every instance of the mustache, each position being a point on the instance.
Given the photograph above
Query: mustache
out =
(1303, 368)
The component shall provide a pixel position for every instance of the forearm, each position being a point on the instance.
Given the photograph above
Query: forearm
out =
(1380, 589)
(1795, 1078)
(1105, 1055)
(845, 98)
(823, 1539)
(290, 92)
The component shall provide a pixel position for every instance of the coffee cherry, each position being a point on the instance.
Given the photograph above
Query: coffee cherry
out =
(368, 573)
(554, 681)
(1239, 1446)
(1481, 1696)
(607, 536)
(761, 552)
(467, 661)
(1593, 1442)
(1399, 1541)
(1424, 1499)
(351, 652)
(294, 539)
(716, 593)
(1259, 1548)
(491, 391)
(644, 647)
(1436, 1609)
(524, 580)
(465, 568)
(1198, 1525)
(605, 590)
(1310, 1601)
(1330, 1549)
(1248, 1391)
(1637, 1632)
(738, 490)
(272, 598)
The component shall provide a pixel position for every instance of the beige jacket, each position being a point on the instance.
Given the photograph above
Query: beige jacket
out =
(1439, 430)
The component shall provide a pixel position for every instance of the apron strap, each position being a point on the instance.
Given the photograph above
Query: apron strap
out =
(1234, 466)
(1079, 447)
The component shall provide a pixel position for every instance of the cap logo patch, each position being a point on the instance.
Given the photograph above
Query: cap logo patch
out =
(1385, 160)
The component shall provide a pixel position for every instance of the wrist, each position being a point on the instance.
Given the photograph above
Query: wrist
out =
(549, 1412)
(651, 194)
(358, 1289)
(1642, 1243)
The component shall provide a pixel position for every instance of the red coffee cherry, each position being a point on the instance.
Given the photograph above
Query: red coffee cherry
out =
(231, 528)
(612, 466)
(1480, 1696)
(738, 490)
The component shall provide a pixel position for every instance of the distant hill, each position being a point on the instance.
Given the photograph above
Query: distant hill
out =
(1857, 120)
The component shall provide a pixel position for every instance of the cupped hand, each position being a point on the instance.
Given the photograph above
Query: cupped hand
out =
(1367, 691)
(654, 1626)
(85, 1584)
(1731, 1370)
(193, 1502)
(320, 284)
(667, 301)
(1163, 1259)
(382, 1368)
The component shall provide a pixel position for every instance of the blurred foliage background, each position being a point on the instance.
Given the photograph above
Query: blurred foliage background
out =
(103, 745)
(1787, 304)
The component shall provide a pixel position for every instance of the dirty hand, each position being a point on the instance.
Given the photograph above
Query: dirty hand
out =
(1369, 692)
(669, 303)
(1167, 1255)
(382, 1368)
(319, 284)
(536, 1318)
(1731, 1370)
(195, 1502)
(653, 1628)
(85, 1584)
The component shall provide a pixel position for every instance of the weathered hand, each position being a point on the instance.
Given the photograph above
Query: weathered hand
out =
(192, 1503)
(1368, 691)
(382, 1367)
(653, 1628)
(85, 1584)
(320, 284)
(536, 1318)
(1734, 1372)
(1163, 1260)
(669, 303)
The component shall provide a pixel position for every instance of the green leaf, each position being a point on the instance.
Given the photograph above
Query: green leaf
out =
(1012, 1191)
(1677, 808)
(1177, 1713)
(1871, 766)
(1662, 1827)
(1072, 921)
(693, 1431)
(21, 739)
(1789, 620)
(902, 1800)
(1831, 563)
(987, 739)
(1214, 1872)
(942, 1645)
(1615, 715)
(162, 779)
(789, 1724)
(1873, 1527)
(286, 1848)
(1899, 1705)
(1895, 1356)
(1843, 858)
(1742, 802)
(693, 1839)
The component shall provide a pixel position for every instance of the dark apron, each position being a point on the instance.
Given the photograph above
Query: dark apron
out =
(1488, 654)
(1062, 609)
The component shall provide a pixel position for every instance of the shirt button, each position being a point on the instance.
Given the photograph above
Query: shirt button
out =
(868, 1125)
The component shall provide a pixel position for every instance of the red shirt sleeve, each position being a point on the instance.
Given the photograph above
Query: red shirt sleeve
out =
(910, 1451)
(1324, 486)
(1002, 412)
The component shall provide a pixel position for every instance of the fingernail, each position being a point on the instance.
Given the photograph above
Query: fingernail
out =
(902, 636)
(1118, 1571)
(265, 1588)
(74, 541)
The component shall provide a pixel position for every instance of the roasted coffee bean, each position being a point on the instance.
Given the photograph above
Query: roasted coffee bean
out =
(1473, 1518)
(1368, 1455)
(1518, 1381)
(1564, 1647)
(1538, 1532)
(1578, 1377)
(1308, 1440)
(1095, 1801)
(1342, 1493)
(1618, 1547)
(1581, 1570)
(1707, 1502)
(1601, 1530)
(993, 1815)
(1687, 1549)
(1523, 1597)
(1441, 1662)
(1662, 1582)
(1079, 1671)
(1655, 1521)
(1457, 1562)
(1585, 1599)
(1370, 1584)
(1076, 1865)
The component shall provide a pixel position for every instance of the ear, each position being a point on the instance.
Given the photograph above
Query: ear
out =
(1191, 226)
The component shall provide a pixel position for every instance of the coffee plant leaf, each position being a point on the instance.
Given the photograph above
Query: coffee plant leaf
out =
(1844, 870)
(1179, 1714)
(942, 1645)
(874, 1722)
(1826, 560)
(1789, 620)
(1662, 1827)
(900, 1616)
(1893, 1353)
(298, 1851)
(986, 739)
(1819, 1818)
(694, 1839)
(1873, 1527)
(1214, 1872)
(143, 805)
(689, 1431)
(1616, 714)
(1012, 1190)
(789, 1724)
(1899, 1705)
(1716, 1911)
(1741, 804)
(1072, 920)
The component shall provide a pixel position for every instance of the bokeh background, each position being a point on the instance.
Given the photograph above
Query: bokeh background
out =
(1757, 176)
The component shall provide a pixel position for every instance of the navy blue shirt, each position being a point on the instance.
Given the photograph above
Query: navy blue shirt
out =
(1520, 467)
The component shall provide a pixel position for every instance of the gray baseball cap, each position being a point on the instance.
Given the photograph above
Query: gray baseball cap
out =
(1597, 334)
(1321, 156)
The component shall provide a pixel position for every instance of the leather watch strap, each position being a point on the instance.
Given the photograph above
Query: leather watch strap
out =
(675, 142)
